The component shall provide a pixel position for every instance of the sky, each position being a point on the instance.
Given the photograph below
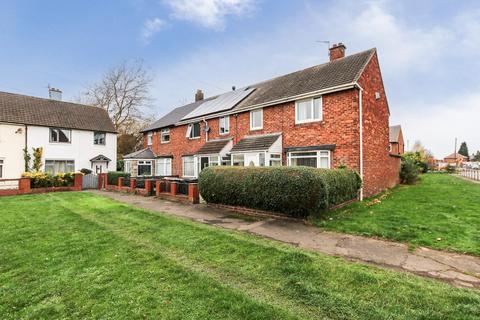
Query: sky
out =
(429, 51)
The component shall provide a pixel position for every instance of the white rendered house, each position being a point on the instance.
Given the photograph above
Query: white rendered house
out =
(73, 136)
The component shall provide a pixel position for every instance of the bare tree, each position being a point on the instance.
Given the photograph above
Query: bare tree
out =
(124, 92)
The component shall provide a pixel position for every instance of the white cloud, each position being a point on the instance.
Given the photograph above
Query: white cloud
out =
(209, 13)
(151, 27)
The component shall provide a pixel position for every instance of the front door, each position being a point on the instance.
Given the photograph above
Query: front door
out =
(203, 163)
(252, 159)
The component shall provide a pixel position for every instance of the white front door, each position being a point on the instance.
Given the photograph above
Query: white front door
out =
(252, 158)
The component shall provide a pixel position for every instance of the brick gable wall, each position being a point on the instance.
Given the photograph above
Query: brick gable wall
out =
(381, 171)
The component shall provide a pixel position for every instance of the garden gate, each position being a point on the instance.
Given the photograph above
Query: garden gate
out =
(90, 181)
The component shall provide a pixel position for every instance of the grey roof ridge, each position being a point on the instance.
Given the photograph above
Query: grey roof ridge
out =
(48, 99)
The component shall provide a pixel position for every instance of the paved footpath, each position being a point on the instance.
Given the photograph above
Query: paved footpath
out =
(458, 269)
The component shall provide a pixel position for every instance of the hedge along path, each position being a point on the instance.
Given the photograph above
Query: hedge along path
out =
(293, 191)
(312, 286)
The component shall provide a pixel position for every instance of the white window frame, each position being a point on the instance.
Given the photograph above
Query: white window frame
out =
(225, 125)
(312, 110)
(320, 154)
(194, 167)
(58, 130)
(164, 132)
(127, 166)
(277, 157)
(71, 161)
(252, 127)
(144, 163)
(149, 138)
(96, 141)
(2, 163)
(167, 167)
(233, 161)
(190, 131)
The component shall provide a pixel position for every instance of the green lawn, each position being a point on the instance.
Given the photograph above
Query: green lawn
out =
(440, 211)
(75, 255)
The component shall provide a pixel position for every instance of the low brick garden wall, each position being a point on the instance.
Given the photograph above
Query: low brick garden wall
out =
(161, 188)
(23, 186)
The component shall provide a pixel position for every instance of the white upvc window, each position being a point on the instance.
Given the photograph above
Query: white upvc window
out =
(224, 125)
(164, 167)
(1, 168)
(128, 166)
(144, 167)
(99, 138)
(275, 160)
(59, 166)
(315, 158)
(150, 138)
(193, 131)
(58, 135)
(188, 166)
(309, 110)
(238, 160)
(256, 119)
(165, 135)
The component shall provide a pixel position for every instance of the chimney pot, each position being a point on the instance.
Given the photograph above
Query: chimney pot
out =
(337, 51)
(55, 94)
(233, 88)
(199, 95)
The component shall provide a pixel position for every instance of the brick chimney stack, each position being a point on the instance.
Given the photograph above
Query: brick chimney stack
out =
(199, 95)
(337, 51)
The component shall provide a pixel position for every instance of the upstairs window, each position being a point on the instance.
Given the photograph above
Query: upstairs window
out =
(309, 110)
(193, 131)
(224, 125)
(99, 138)
(60, 135)
(150, 138)
(165, 135)
(256, 119)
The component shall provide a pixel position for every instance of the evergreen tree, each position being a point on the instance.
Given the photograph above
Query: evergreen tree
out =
(464, 150)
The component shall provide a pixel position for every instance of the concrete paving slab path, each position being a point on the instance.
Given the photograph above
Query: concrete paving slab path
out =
(458, 269)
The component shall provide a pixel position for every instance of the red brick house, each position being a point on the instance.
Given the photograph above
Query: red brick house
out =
(330, 115)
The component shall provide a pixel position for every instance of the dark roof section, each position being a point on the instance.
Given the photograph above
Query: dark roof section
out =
(324, 76)
(146, 153)
(101, 157)
(253, 143)
(174, 116)
(394, 133)
(21, 109)
(213, 146)
(330, 147)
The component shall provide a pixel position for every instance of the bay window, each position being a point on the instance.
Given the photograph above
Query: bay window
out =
(315, 159)
(164, 167)
(144, 167)
(308, 110)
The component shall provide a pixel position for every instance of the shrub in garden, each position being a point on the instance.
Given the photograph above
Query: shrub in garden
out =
(409, 171)
(295, 191)
(450, 168)
(86, 171)
(112, 176)
(45, 180)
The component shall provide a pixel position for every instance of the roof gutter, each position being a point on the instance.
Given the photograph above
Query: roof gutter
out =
(271, 103)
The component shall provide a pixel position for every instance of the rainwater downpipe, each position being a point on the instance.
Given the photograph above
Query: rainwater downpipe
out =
(360, 107)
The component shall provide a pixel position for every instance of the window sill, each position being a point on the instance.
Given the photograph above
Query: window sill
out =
(224, 134)
(164, 142)
(308, 121)
(256, 129)
(195, 138)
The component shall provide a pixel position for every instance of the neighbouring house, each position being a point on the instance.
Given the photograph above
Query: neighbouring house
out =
(455, 158)
(73, 136)
(397, 144)
(331, 115)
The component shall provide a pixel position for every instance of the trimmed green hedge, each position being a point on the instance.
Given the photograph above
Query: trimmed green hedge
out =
(45, 180)
(112, 176)
(294, 191)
